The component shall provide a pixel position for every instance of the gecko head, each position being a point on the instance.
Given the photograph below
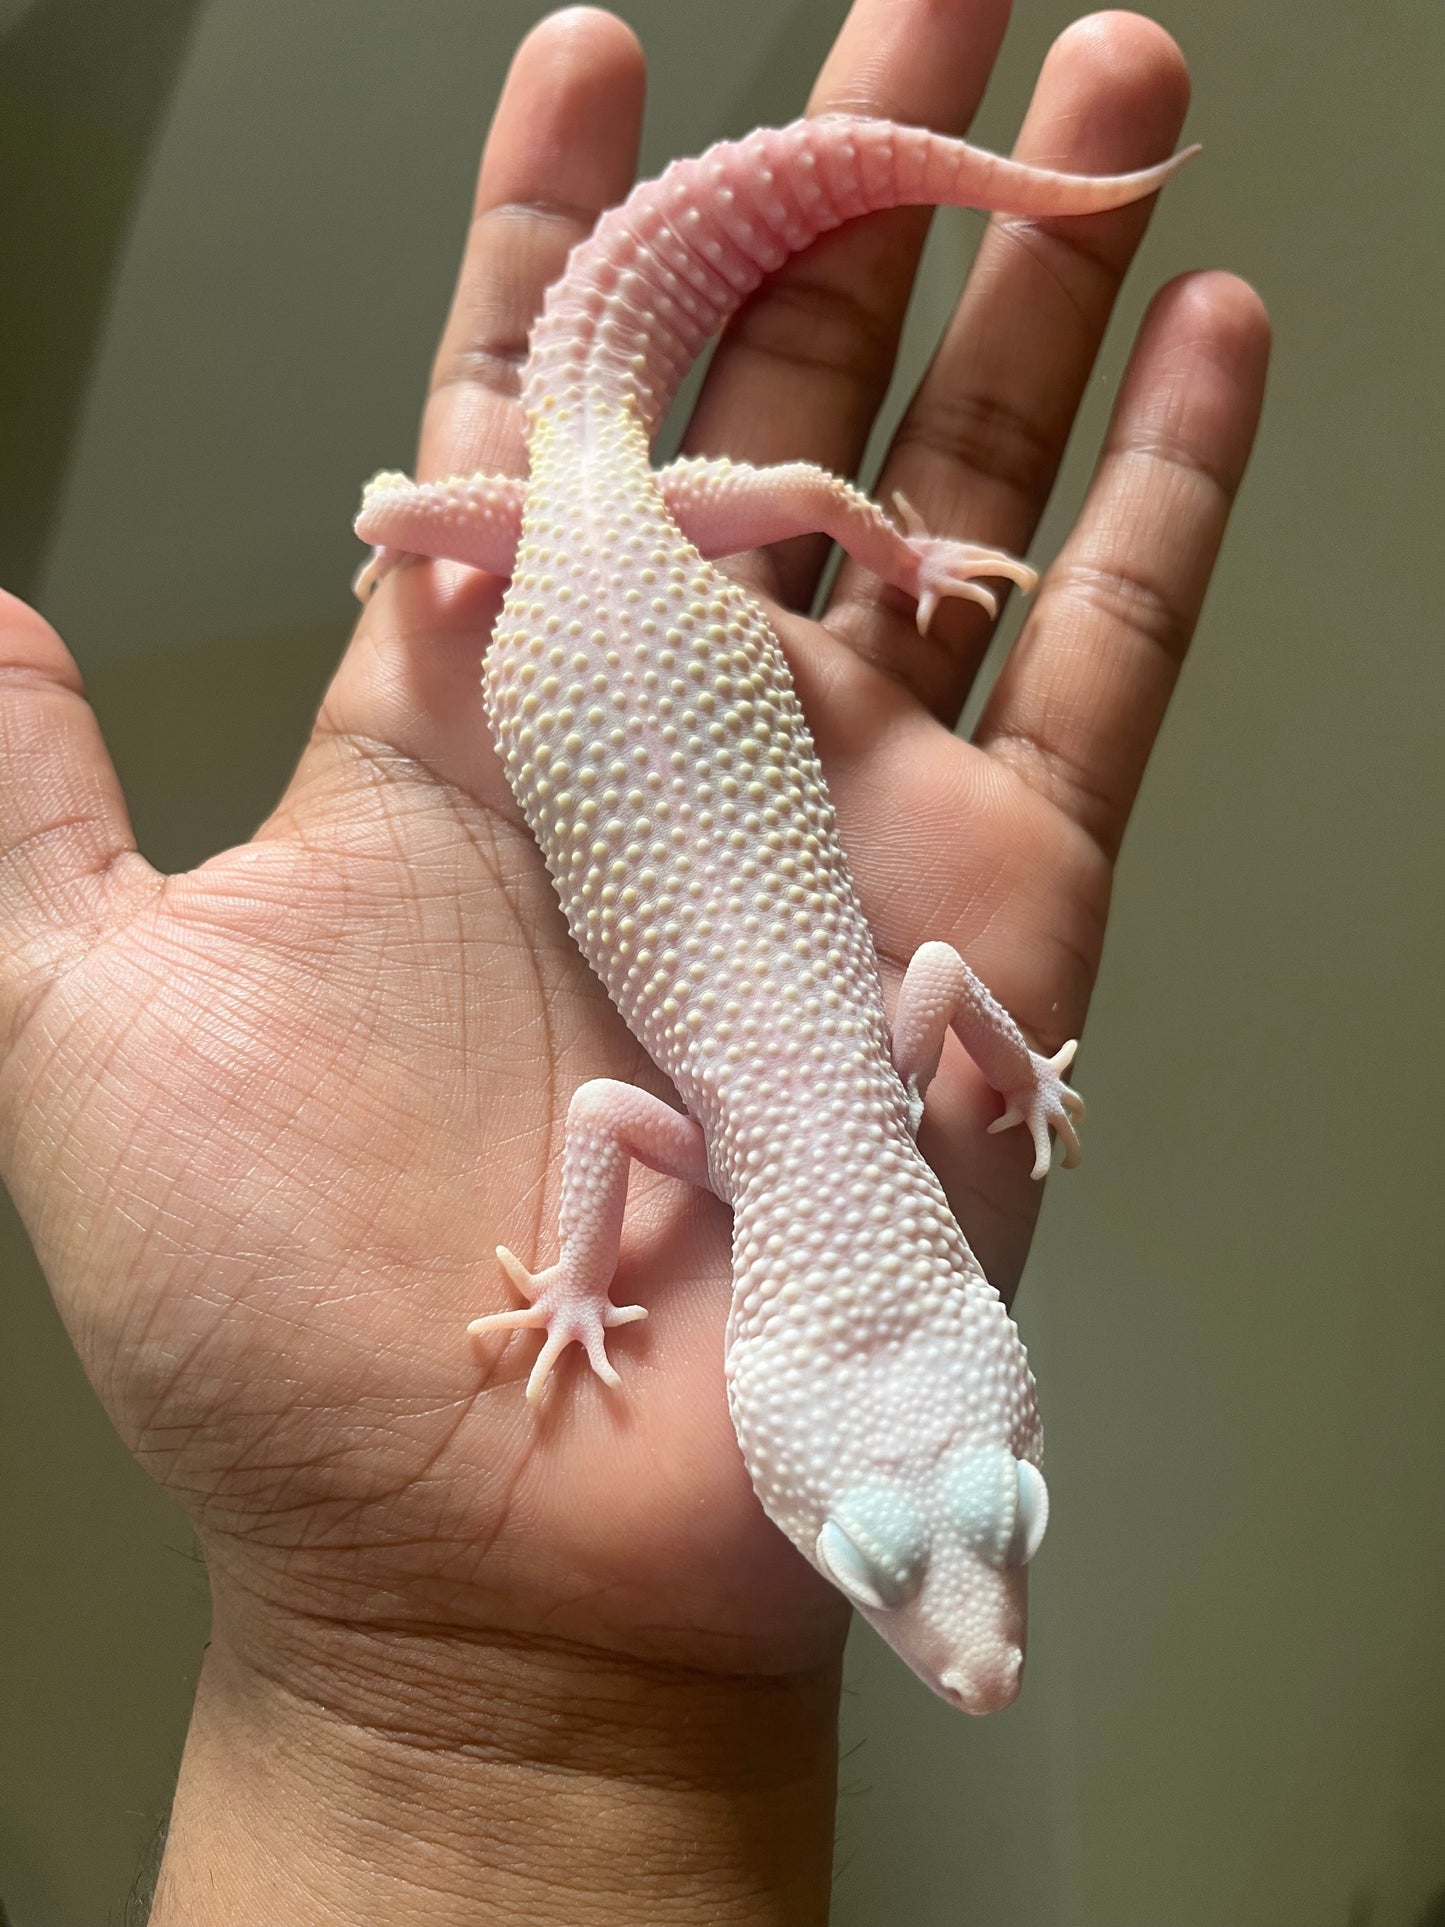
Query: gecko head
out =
(937, 1565)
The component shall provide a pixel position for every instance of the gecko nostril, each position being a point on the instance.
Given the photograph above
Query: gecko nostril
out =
(958, 1690)
(988, 1690)
(1011, 1672)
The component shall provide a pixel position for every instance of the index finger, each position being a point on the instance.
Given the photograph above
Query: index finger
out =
(562, 149)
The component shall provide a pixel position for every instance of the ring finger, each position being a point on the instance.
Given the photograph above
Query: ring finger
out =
(979, 448)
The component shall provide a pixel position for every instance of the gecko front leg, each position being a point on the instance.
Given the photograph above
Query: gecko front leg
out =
(940, 990)
(609, 1124)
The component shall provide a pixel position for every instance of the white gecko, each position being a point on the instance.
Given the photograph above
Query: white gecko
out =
(653, 739)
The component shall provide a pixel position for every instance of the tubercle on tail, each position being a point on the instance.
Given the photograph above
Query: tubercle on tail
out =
(660, 274)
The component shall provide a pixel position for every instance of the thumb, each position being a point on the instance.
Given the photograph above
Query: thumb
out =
(68, 861)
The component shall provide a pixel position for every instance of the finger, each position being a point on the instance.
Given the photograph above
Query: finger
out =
(563, 146)
(67, 855)
(1080, 700)
(978, 450)
(802, 368)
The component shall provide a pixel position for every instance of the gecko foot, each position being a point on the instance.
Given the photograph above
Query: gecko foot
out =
(949, 568)
(1046, 1100)
(569, 1313)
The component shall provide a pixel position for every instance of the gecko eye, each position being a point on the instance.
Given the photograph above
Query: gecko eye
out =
(999, 1503)
(874, 1547)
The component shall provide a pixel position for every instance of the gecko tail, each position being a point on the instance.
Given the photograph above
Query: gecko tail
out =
(659, 275)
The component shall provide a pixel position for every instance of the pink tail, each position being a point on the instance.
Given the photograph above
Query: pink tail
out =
(659, 275)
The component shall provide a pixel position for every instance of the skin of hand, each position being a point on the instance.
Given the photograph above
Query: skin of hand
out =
(267, 1121)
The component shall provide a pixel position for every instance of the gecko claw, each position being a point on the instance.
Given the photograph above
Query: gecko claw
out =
(908, 515)
(371, 574)
(1046, 1102)
(517, 1272)
(949, 568)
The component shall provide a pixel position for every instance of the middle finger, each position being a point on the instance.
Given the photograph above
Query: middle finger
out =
(799, 373)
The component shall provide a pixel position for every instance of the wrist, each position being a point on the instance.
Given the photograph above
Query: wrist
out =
(370, 1776)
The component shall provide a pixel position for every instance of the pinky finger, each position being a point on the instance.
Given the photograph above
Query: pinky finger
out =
(66, 848)
(1079, 703)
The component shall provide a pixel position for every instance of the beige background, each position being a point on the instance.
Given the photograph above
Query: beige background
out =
(239, 223)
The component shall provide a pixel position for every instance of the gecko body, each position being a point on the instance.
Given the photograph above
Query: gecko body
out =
(651, 734)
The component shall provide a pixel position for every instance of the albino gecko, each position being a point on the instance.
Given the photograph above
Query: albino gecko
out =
(653, 739)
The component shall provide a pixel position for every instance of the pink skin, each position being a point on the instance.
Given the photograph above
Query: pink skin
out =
(265, 1120)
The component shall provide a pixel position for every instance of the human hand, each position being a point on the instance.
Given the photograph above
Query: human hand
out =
(268, 1120)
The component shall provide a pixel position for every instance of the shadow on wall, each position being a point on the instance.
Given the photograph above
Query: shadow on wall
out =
(83, 91)
(1362, 1912)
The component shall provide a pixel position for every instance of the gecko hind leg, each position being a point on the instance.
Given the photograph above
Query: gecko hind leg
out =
(723, 507)
(939, 990)
(609, 1125)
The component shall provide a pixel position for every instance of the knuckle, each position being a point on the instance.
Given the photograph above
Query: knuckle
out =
(988, 435)
(1072, 252)
(492, 365)
(820, 325)
(514, 251)
(1089, 801)
(1130, 598)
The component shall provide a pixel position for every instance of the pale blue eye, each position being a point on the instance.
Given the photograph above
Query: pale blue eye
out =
(999, 1504)
(874, 1545)
(1033, 1513)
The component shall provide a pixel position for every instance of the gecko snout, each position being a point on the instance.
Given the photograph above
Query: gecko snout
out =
(985, 1689)
(938, 1566)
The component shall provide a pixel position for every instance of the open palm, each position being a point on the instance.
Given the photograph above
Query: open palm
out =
(268, 1120)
